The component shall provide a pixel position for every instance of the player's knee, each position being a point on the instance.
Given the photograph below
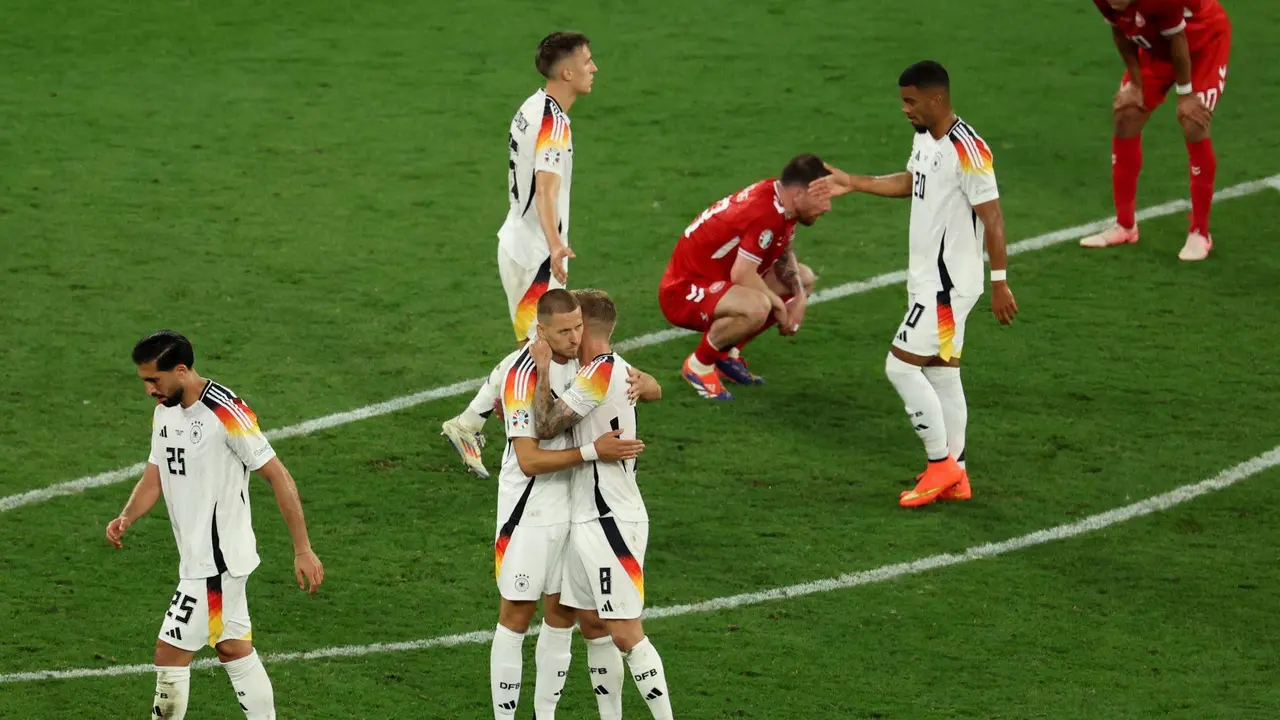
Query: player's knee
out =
(1128, 122)
(516, 615)
(759, 309)
(1191, 132)
(592, 626)
(232, 650)
(626, 634)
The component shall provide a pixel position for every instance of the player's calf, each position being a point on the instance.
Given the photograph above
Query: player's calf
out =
(173, 689)
(645, 664)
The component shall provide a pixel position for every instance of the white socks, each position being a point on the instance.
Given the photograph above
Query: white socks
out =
(646, 669)
(955, 410)
(506, 665)
(553, 655)
(253, 687)
(173, 689)
(605, 663)
(479, 409)
(924, 409)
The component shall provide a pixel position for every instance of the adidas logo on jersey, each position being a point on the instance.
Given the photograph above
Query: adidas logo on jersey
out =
(608, 606)
(175, 633)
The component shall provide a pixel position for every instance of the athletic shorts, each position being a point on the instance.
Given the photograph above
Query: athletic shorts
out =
(604, 568)
(934, 324)
(691, 304)
(206, 612)
(530, 562)
(523, 288)
(1208, 74)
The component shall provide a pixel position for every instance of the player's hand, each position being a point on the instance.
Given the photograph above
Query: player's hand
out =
(836, 184)
(639, 384)
(780, 311)
(116, 529)
(1003, 306)
(796, 309)
(559, 255)
(309, 570)
(1129, 97)
(1192, 109)
(610, 447)
(540, 351)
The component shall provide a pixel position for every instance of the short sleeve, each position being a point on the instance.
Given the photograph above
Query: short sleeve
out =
(244, 437)
(976, 167)
(1169, 16)
(517, 398)
(552, 145)
(590, 386)
(154, 456)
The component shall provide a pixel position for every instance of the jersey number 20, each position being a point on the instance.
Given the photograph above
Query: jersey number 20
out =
(917, 187)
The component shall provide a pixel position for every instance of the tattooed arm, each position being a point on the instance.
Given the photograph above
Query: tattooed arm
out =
(787, 270)
(552, 417)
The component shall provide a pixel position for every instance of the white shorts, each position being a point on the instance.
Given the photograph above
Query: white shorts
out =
(530, 563)
(523, 288)
(934, 324)
(206, 612)
(604, 570)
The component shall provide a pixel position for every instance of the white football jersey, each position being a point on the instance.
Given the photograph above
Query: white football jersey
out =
(205, 454)
(539, 141)
(949, 175)
(523, 500)
(599, 395)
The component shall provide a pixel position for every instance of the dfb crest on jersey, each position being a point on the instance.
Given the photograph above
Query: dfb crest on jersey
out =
(197, 433)
(551, 156)
(936, 165)
(522, 583)
(522, 125)
(766, 239)
(520, 419)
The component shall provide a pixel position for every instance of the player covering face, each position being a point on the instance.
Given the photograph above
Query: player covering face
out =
(955, 211)
(734, 273)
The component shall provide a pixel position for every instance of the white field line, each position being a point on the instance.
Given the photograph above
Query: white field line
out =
(1093, 523)
(1039, 242)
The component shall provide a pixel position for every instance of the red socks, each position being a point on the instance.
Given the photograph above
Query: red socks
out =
(706, 353)
(1204, 166)
(1126, 164)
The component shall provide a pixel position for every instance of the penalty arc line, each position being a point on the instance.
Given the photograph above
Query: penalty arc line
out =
(1093, 523)
(72, 487)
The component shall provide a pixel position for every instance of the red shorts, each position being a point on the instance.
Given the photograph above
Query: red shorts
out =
(1208, 74)
(691, 304)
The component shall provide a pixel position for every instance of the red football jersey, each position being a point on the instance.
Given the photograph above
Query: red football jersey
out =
(750, 223)
(1149, 23)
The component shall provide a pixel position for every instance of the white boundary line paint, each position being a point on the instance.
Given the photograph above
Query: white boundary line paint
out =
(1093, 523)
(72, 487)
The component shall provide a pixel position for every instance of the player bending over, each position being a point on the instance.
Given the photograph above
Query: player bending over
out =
(734, 273)
(1179, 44)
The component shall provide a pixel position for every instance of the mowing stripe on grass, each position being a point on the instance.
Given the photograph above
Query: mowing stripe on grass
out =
(1093, 523)
(72, 487)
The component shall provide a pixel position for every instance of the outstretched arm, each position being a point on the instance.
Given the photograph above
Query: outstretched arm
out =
(839, 182)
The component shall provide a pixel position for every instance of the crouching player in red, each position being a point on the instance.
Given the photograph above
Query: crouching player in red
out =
(1178, 44)
(733, 274)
